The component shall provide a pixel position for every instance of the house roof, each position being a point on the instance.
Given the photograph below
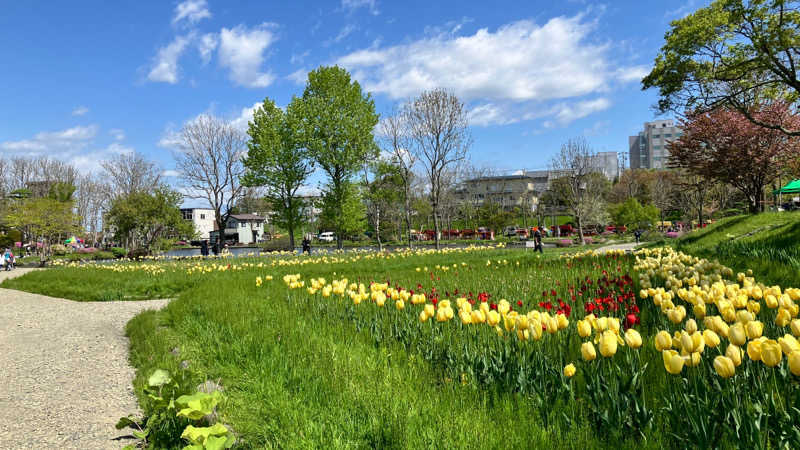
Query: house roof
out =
(243, 217)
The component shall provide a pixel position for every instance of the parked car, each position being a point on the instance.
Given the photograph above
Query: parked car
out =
(510, 231)
(327, 236)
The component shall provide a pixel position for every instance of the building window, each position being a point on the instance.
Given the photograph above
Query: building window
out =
(656, 136)
(202, 217)
(656, 147)
(666, 135)
(242, 224)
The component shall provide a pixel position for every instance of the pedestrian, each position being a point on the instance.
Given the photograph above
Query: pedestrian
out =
(3, 261)
(9, 260)
(637, 234)
(204, 248)
(216, 247)
(537, 241)
(306, 245)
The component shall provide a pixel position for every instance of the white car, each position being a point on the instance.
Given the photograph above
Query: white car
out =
(327, 236)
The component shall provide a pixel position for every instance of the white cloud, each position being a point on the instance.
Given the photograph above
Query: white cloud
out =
(520, 71)
(117, 134)
(165, 64)
(206, 46)
(73, 145)
(245, 116)
(242, 51)
(170, 139)
(565, 113)
(80, 110)
(352, 5)
(598, 128)
(347, 30)
(170, 173)
(191, 11)
(298, 58)
(631, 74)
(299, 76)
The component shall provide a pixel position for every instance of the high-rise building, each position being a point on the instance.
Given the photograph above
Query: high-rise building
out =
(607, 163)
(648, 150)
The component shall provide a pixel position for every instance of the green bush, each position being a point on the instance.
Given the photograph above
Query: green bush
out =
(119, 252)
(58, 249)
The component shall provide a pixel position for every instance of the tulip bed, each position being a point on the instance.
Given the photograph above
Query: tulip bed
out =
(477, 348)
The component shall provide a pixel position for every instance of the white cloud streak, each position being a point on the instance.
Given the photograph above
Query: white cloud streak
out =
(191, 12)
(80, 110)
(242, 51)
(165, 64)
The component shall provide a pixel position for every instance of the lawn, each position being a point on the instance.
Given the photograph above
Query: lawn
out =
(309, 360)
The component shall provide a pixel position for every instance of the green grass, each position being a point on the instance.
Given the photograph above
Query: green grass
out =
(767, 243)
(298, 374)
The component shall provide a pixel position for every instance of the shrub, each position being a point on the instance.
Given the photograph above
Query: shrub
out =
(119, 252)
(137, 254)
(58, 249)
(280, 244)
(87, 250)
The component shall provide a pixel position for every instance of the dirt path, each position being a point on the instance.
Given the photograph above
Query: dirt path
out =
(64, 373)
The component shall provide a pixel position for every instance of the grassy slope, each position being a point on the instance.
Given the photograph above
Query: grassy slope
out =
(298, 378)
(767, 243)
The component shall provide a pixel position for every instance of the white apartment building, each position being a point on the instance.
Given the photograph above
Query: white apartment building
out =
(648, 149)
(202, 219)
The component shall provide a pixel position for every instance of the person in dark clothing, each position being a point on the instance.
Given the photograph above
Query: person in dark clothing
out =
(306, 245)
(216, 247)
(204, 248)
(637, 234)
(537, 240)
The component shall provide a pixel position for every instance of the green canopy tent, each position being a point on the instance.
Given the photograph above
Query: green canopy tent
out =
(792, 188)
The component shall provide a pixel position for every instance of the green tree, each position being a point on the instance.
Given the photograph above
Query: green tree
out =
(344, 211)
(276, 161)
(145, 219)
(492, 215)
(382, 193)
(731, 52)
(632, 213)
(335, 123)
(42, 219)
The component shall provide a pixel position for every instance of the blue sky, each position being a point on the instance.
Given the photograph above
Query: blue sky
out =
(86, 79)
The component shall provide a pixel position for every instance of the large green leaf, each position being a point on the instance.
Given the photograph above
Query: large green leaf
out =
(198, 405)
(159, 378)
(199, 435)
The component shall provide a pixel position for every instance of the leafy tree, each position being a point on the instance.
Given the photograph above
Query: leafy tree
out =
(61, 191)
(723, 145)
(146, 219)
(276, 161)
(732, 52)
(44, 219)
(492, 215)
(382, 194)
(335, 122)
(632, 213)
(344, 211)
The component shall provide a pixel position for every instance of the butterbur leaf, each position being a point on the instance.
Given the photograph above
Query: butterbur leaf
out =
(140, 434)
(199, 435)
(217, 443)
(198, 405)
(159, 378)
(125, 422)
(193, 447)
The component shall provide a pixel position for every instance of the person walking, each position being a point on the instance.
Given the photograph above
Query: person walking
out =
(306, 245)
(204, 248)
(3, 263)
(537, 241)
(637, 234)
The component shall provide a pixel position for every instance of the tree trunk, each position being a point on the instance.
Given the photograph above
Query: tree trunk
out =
(408, 222)
(436, 226)
(291, 235)
(378, 228)
(580, 229)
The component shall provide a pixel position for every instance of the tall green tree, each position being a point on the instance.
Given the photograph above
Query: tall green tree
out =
(276, 161)
(146, 220)
(381, 194)
(42, 219)
(344, 211)
(632, 213)
(335, 123)
(731, 52)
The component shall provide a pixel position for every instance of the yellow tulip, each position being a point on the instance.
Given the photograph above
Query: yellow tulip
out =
(754, 349)
(691, 326)
(699, 310)
(466, 318)
(562, 321)
(737, 335)
(711, 338)
(754, 329)
(633, 339)
(613, 324)
(498, 330)
(535, 329)
(724, 366)
(744, 316)
(783, 317)
(771, 301)
(584, 328)
(754, 307)
(692, 359)
(663, 341)
(795, 327)
(493, 318)
(552, 325)
(569, 370)
(503, 306)
(588, 352)
(735, 354)
(788, 344)
(484, 308)
(608, 344)
(477, 316)
(794, 362)
(673, 362)
(423, 316)
(771, 353)
(429, 310)
(400, 305)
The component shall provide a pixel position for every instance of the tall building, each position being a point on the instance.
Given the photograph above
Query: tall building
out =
(607, 163)
(648, 150)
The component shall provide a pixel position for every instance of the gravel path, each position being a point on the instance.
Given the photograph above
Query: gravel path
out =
(64, 373)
